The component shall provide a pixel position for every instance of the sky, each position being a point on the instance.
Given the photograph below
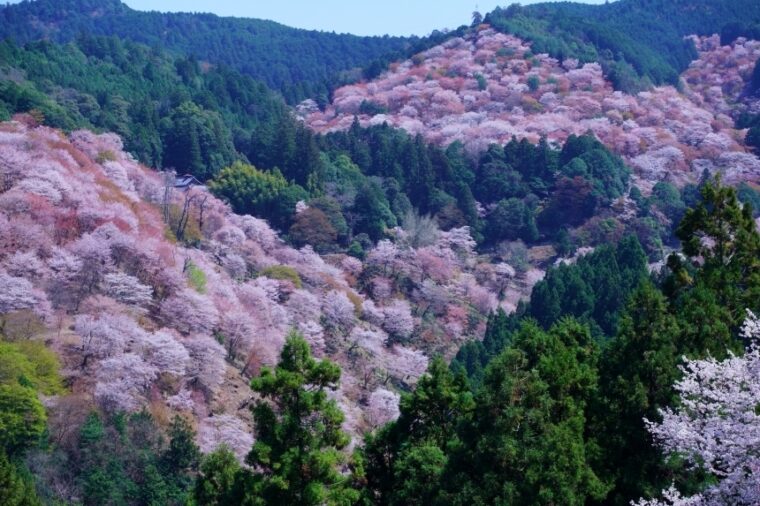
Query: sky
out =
(361, 17)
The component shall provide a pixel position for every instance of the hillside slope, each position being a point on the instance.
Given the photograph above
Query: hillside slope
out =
(90, 256)
(487, 87)
(299, 63)
(637, 42)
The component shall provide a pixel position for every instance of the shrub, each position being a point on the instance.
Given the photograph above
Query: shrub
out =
(282, 272)
(196, 277)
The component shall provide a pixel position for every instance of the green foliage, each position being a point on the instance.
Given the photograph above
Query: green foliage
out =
(638, 370)
(298, 63)
(722, 234)
(264, 194)
(26, 369)
(22, 417)
(404, 460)
(15, 488)
(533, 83)
(217, 483)
(749, 195)
(31, 364)
(594, 290)
(127, 460)
(297, 453)
(168, 111)
(525, 442)
(667, 199)
(732, 31)
(196, 141)
(196, 277)
(511, 219)
(283, 272)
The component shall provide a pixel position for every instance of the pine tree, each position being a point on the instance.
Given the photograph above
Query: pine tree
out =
(297, 453)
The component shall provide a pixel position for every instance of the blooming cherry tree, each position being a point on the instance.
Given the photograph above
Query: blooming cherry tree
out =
(717, 425)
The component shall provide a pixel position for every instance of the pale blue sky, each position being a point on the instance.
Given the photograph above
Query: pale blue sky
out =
(362, 17)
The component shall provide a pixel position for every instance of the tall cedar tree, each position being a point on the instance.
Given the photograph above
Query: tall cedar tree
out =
(404, 460)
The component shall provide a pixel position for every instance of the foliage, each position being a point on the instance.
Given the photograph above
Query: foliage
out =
(15, 488)
(312, 226)
(594, 290)
(520, 440)
(298, 63)
(282, 272)
(125, 459)
(410, 452)
(264, 194)
(299, 439)
(715, 426)
(722, 234)
(196, 277)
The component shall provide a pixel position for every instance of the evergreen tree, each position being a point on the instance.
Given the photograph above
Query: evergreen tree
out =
(297, 453)
(14, 489)
(721, 234)
(405, 459)
(637, 372)
(526, 442)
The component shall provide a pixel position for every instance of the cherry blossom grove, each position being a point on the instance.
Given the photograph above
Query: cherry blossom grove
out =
(142, 321)
(486, 87)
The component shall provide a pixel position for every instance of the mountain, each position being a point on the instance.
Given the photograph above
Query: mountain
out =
(155, 295)
(164, 106)
(487, 87)
(471, 276)
(298, 63)
(637, 42)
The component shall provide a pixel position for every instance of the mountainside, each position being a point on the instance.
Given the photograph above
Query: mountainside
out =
(90, 249)
(163, 106)
(637, 42)
(298, 63)
(518, 265)
(487, 87)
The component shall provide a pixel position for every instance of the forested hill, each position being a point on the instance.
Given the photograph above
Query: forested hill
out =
(299, 63)
(638, 42)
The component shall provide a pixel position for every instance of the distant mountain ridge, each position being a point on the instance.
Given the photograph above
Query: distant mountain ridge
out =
(299, 63)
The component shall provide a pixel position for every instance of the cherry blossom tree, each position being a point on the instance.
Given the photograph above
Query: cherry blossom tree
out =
(382, 407)
(162, 350)
(238, 329)
(123, 381)
(206, 367)
(228, 430)
(25, 264)
(716, 426)
(19, 294)
(188, 311)
(105, 335)
(127, 289)
(338, 311)
(398, 320)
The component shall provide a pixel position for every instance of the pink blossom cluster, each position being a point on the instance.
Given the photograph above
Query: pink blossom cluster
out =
(716, 426)
(140, 319)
